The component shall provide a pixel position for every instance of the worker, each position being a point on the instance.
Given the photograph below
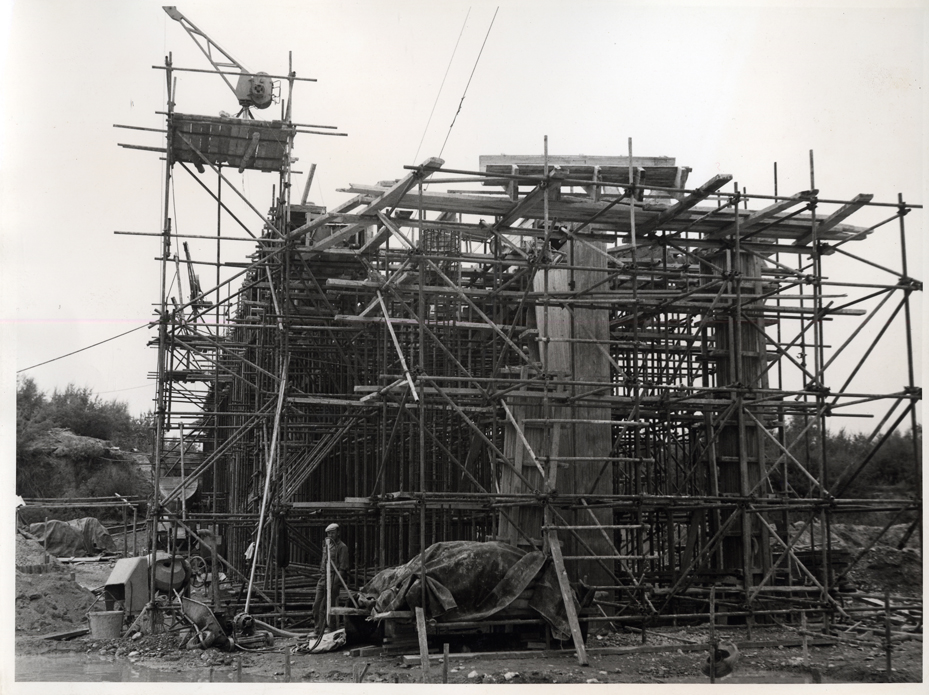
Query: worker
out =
(335, 551)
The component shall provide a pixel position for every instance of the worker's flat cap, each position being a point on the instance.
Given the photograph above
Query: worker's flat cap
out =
(332, 527)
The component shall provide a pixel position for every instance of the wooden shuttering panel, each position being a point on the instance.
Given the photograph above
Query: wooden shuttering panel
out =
(589, 440)
(566, 357)
(660, 172)
(230, 142)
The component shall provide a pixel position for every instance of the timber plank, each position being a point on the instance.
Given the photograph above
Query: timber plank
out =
(568, 598)
(847, 210)
(698, 220)
(423, 640)
(389, 199)
(757, 217)
(67, 634)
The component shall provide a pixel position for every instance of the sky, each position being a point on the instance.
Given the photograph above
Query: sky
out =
(730, 88)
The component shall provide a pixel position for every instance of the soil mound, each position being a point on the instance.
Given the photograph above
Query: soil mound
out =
(857, 536)
(50, 602)
(883, 566)
(887, 569)
(30, 552)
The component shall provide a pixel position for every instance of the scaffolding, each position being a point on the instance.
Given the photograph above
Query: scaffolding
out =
(582, 355)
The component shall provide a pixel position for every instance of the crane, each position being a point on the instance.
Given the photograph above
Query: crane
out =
(251, 89)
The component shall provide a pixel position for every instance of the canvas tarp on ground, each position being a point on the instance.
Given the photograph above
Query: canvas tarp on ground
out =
(469, 580)
(77, 538)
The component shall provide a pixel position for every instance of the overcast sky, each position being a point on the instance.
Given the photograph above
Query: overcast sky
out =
(728, 89)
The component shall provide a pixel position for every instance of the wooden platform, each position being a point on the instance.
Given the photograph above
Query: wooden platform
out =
(244, 144)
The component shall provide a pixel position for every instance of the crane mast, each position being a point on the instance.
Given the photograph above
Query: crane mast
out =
(251, 89)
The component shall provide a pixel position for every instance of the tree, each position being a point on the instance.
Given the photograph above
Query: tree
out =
(29, 400)
(891, 465)
(32, 473)
(83, 468)
(85, 414)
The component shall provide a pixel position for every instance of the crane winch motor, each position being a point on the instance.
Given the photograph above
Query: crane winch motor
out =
(255, 90)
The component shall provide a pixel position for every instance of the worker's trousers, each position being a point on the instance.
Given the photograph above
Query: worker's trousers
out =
(319, 605)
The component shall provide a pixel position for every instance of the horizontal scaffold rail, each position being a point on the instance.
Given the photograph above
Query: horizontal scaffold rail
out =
(571, 346)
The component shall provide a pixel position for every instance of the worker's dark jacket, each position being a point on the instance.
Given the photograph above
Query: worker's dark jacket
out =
(339, 558)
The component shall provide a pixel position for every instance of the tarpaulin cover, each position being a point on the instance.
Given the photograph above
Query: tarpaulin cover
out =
(76, 538)
(329, 642)
(469, 580)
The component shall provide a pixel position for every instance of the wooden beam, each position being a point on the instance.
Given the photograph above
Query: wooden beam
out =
(423, 640)
(846, 210)
(522, 437)
(567, 161)
(337, 402)
(388, 199)
(568, 598)
(383, 234)
(594, 190)
(394, 229)
(512, 188)
(67, 634)
(690, 200)
(352, 503)
(470, 325)
(698, 220)
(329, 217)
(393, 337)
(521, 207)
(554, 548)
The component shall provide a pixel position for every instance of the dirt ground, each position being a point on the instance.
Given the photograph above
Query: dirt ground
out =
(54, 602)
(828, 664)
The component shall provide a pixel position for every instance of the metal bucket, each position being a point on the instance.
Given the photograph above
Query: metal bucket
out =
(106, 624)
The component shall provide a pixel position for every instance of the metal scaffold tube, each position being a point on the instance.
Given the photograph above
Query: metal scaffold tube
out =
(586, 356)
